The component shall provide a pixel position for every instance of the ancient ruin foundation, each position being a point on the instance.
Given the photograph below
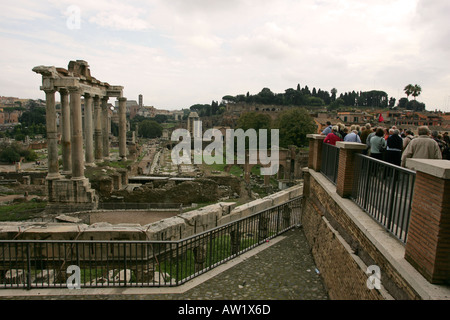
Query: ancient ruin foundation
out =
(70, 188)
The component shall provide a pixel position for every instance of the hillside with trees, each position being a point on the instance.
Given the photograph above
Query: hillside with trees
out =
(306, 97)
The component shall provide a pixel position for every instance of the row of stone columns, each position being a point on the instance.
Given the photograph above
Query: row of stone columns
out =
(96, 131)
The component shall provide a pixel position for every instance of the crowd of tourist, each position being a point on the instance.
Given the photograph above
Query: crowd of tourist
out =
(393, 145)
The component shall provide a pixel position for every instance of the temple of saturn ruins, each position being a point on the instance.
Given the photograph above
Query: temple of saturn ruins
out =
(69, 187)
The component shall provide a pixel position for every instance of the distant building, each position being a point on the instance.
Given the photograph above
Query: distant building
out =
(354, 117)
(10, 117)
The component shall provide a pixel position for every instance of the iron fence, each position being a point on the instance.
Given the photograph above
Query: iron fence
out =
(50, 263)
(385, 192)
(330, 161)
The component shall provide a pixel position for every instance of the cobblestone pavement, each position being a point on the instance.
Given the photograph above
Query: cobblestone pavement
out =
(283, 271)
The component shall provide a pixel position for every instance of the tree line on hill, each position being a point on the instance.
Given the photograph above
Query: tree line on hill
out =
(318, 97)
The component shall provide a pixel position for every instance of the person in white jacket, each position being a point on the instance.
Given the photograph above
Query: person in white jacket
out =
(422, 147)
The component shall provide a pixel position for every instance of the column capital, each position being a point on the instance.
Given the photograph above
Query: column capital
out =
(75, 89)
(48, 90)
(87, 95)
(63, 90)
(105, 98)
(122, 99)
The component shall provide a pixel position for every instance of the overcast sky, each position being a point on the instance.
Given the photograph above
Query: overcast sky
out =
(181, 52)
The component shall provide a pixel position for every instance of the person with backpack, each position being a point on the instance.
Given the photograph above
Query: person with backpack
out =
(333, 137)
(352, 137)
(394, 148)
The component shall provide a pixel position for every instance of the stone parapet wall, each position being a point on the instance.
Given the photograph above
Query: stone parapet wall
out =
(174, 228)
(343, 249)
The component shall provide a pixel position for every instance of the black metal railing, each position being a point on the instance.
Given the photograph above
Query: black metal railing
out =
(385, 192)
(330, 161)
(91, 263)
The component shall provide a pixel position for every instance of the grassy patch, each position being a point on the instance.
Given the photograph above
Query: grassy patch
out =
(21, 211)
(217, 249)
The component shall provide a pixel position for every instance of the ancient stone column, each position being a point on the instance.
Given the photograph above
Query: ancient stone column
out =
(88, 130)
(105, 128)
(98, 143)
(77, 133)
(52, 136)
(65, 139)
(122, 128)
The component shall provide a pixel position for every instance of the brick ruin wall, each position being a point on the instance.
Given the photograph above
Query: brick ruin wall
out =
(342, 251)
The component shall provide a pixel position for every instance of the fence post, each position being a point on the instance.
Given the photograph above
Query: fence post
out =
(125, 263)
(28, 267)
(345, 175)
(178, 277)
(315, 151)
(428, 243)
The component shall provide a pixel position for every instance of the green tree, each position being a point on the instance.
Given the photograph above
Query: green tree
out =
(228, 99)
(333, 94)
(254, 120)
(416, 91)
(315, 101)
(402, 103)
(36, 116)
(409, 89)
(161, 118)
(13, 152)
(336, 104)
(415, 105)
(266, 96)
(9, 155)
(294, 124)
(392, 102)
(150, 129)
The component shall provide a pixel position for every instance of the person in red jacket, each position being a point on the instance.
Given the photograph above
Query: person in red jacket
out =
(333, 136)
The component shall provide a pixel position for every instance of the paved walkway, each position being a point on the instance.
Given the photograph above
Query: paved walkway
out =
(282, 269)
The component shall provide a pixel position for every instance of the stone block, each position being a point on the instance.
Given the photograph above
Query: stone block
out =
(15, 276)
(251, 208)
(204, 218)
(167, 229)
(119, 276)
